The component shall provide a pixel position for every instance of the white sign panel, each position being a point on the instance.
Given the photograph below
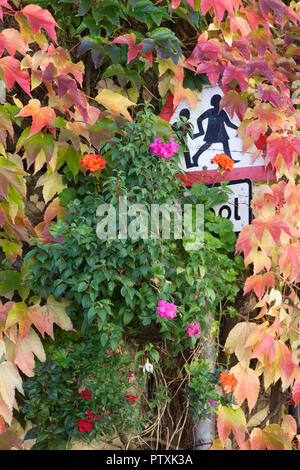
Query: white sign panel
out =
(237, 208)
(214, 132)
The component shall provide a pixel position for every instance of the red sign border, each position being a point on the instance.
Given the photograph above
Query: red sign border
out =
(255, 173)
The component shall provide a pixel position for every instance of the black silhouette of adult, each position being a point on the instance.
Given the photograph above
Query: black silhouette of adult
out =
(182, 132)
(215, 131)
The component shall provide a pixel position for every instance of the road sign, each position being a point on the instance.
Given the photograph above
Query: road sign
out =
(214, 132)
(237, 209)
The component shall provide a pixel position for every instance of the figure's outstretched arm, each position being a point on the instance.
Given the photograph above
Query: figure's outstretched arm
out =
(199, 124)
(229, 123)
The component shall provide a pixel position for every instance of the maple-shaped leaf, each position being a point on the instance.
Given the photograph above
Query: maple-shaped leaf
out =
(256, 128)
(263, 343)
(41, 115)
(274, 225)
(241, 49)
(296, 392)
(219, 6)
(12, 72)
(247, 386)
(9, 381)
(280, 9)
(39, 18)
(4, 3)
(55, 312)
(180, 93)
(236, 340)
(234, 103)
(130, 40)
(289, 261)
(115, 102)
(11, 40)
(260, 261)
(212, 71)
(231, 420)
(258, 283)
(210, 49)
(272, 437)
(52, 184)
(259, 67)
(22, 352)
(287, 146)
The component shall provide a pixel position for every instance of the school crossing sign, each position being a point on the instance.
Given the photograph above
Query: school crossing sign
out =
(214, 132)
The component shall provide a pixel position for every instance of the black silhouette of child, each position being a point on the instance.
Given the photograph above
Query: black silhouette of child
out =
(182, 132)
(215, 132)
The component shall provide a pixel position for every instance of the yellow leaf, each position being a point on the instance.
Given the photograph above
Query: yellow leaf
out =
(52, 184)
(9, 380)
(115, 102)
(236, 341)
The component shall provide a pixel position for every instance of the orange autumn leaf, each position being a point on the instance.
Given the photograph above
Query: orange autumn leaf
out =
(259, 282)
(274, 225)
(247, 387)
(41, 116)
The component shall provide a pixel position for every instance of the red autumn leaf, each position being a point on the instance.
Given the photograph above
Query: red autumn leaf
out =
(243, 46)
(234, 103)
(133, 48)
(205, 49)
(13, 73)
(39, 18)
(235, 73)
(258, 283)
(244, 241)
(219, 6)
(41, 116)
(289, 261)
(259, 67)
(261, 41)
(3, 3)
(296, 392)
(256, 129)
(265, 347)
(273, 224)
(286, 146)
(212, 70)
(279, 8)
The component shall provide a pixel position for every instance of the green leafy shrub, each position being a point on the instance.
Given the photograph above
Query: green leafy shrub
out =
(113, 286)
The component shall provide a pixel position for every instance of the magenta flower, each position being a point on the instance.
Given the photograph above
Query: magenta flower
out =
(213, 402)
(166, 309)
(193, 329)
(164, 149)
